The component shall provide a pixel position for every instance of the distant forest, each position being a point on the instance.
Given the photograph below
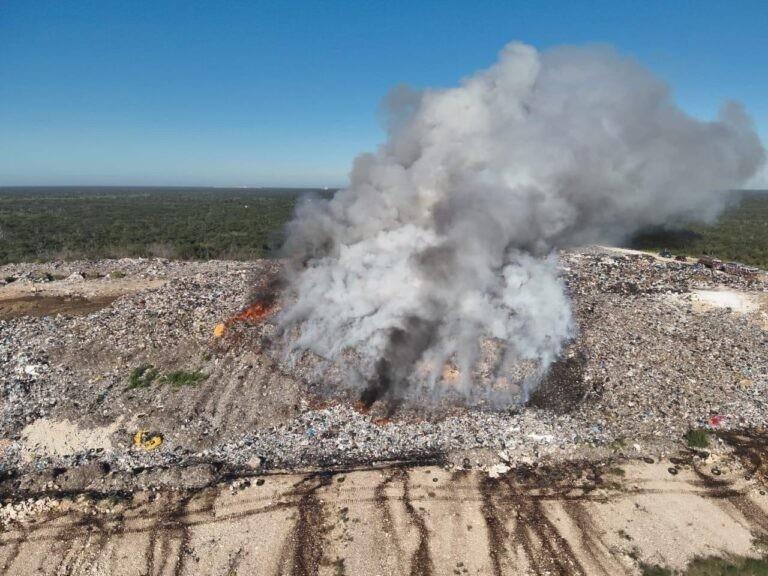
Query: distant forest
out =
(41, 224)
(740, 234)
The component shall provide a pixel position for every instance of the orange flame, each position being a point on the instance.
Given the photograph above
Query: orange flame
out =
(252, 314)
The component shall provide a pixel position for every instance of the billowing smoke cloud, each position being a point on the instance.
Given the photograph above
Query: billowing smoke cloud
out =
(442, 246)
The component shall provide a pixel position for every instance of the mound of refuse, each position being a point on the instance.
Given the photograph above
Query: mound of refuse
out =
(174, 374)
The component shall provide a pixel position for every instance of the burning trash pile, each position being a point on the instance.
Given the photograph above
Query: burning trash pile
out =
(647, 366)
(440, 254)
(251, 314)
(262, 304)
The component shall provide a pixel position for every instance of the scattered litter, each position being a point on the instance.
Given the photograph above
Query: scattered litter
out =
(147, 440)
(716, 421)
(541, 437)
(498, 470)
(254, 463)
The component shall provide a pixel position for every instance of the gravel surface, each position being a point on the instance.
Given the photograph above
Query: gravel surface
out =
(651, 361)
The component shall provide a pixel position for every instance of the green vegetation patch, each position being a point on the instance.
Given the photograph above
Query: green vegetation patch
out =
(654, 570)
(728, 567)
(142, 376)
(697, 438)
(43, 224)
(180, 378)
(740, 234)
(713, 566)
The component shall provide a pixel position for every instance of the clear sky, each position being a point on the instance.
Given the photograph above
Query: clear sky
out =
(287, 92)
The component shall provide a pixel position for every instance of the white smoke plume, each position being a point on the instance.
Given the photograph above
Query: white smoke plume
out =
(445, 237)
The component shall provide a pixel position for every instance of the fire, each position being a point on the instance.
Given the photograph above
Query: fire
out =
(252, 314)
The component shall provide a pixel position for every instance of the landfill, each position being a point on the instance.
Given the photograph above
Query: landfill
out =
(175, 379)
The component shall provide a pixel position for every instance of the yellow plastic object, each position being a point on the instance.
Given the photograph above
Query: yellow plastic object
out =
(219, 330)
(148, 441)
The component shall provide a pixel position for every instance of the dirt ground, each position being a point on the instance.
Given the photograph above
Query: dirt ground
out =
(605, 518)
(51, 305)
(66, 297)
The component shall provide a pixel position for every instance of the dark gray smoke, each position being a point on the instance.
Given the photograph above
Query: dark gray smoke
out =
(442, 246)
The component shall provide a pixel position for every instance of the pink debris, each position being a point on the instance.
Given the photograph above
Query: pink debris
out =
(716, 420)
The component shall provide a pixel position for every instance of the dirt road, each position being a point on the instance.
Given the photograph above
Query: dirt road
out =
(574, 519)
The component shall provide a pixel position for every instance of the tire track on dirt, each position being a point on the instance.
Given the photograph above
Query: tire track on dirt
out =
(421, 561)
(533, 529)
(303, 550)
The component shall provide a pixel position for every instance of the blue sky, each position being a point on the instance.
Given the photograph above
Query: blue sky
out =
(287, 93)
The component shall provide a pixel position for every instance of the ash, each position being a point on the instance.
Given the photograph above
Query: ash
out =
(650, 362)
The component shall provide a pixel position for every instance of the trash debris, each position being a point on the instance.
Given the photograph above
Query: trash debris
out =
(654, 368)
(147, 440)
(253, 313)
(498, 470)
(716, 421)
(254, 463)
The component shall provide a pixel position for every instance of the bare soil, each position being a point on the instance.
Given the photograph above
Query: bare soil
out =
(604, 517)
(38, 305)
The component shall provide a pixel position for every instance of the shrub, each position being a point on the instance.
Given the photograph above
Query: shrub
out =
(142, 376)
(180, 378)
(728, 567)
(653, 570)
(697, 438)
